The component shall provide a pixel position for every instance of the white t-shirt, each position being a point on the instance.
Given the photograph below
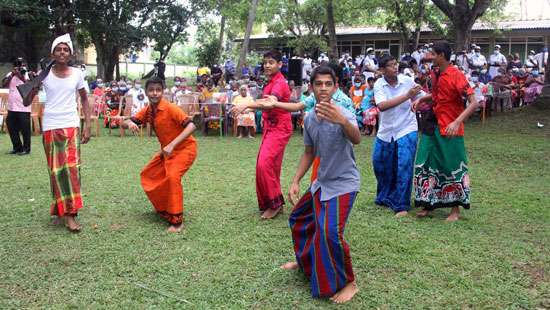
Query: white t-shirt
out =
(398, 121)
(139, 99)
(60, 109)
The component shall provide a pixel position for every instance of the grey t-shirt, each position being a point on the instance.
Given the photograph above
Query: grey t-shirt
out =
(338, 172)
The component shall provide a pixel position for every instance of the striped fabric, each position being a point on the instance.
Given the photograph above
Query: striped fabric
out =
(62, 147)
(318, 236)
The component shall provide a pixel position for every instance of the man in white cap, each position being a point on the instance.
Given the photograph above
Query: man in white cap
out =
(61, 132)
(496, 61)
(369, 64)
(478, 61)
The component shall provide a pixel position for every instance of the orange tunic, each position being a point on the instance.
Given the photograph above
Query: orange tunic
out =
(161, 177)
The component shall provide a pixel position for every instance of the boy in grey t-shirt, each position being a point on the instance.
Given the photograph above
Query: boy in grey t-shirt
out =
(318, 219)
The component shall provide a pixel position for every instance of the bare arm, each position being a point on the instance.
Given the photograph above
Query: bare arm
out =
(290, 106)
(87, 111)
(352, 132)
(305, 163)
(452, 128)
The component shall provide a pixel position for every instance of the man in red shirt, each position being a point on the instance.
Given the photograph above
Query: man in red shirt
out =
(441, 178)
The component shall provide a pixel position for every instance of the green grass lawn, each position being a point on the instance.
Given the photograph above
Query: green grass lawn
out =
(497, 256)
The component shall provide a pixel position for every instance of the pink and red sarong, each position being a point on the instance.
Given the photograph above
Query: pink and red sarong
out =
(62, 148)
(318, 236)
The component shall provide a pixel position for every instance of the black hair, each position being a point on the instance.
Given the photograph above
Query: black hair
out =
(275, 54)
(155, 80)
(370, 79)
(323, 70)
(338, 71)
(443, 47)
(474, 73)
(384, 60)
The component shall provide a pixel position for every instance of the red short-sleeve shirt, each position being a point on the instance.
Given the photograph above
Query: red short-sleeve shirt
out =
(276, 117)
(448, 91)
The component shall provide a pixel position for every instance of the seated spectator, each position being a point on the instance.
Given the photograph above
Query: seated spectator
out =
(533, 87)
(139, 98)
(207, 92)
(122, 88)
(201, 72)
(480, 89)
(217, 73)
(112, 101)
(367, 112)
(177, 83)
(356, 92)
(484, 76)
(246, 121)
(515, 62)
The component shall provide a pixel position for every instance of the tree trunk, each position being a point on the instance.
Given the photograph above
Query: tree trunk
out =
(331, 30)
(246, 41)
(463, 36)
(421, 13)
(222, 30)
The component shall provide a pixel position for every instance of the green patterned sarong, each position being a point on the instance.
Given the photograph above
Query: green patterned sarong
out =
(441, 178)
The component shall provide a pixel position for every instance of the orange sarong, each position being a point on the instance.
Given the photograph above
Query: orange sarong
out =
(161, 177)
(161, 181)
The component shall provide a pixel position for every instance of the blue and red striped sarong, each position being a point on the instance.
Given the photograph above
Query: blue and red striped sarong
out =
(318, 236)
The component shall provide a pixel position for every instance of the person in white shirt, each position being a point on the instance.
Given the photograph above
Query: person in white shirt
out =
(395, 145)
(418, 54)
(531, 62)
(478, 61)
(139, 98)
(61, 132)
(496, 61)
(369, 64)
(463, 61)
(307, 66)
(542, 58)
(323, 59)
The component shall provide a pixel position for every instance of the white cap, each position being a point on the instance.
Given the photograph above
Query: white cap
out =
(370, 49)
(66, 38)
(497, 46)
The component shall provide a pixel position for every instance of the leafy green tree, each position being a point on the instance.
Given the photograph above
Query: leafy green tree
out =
(207, 52)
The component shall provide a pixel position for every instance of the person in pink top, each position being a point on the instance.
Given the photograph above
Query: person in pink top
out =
(277, 130)
(19, 116)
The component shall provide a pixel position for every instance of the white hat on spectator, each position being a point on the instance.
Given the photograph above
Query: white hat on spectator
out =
(370, 49)
(497, 46)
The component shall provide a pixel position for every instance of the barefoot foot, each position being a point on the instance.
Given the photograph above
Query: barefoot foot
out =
(271, 213)
(401, 214)
(346, 294)
(454, 216)
(175, 228)
(56, 221)
(72, 224)
(290, 266)
(422, 213)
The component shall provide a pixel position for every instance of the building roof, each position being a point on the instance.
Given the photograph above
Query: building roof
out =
(478, 26)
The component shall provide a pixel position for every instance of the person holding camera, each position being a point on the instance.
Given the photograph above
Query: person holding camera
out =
(19, 116)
